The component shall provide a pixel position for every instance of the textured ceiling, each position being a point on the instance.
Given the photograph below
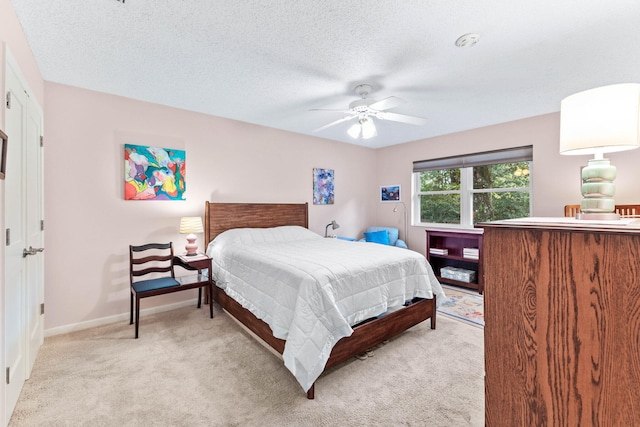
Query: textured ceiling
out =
(270, 62)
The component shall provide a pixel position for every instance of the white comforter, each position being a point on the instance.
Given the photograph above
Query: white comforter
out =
(310, 289)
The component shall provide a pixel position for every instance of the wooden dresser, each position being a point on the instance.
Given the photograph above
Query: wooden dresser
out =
(562, 323)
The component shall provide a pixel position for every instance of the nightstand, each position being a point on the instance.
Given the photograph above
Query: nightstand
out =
(199, 280)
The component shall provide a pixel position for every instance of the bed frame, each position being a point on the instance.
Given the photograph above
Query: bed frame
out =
(223, 216)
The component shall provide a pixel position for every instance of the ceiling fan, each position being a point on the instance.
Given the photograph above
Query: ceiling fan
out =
(364, 110)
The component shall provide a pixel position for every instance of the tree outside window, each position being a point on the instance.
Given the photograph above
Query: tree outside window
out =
(470, 195)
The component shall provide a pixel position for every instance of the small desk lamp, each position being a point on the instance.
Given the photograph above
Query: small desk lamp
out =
(333, 224)
(598, 121)
(190, 225)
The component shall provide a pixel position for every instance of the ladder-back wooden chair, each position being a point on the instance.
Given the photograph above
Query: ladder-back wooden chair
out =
(151, 272)
(154, 263)
(571, 210)
(627, 211)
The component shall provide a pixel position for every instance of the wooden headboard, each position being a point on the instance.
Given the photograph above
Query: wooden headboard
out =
(219, 217)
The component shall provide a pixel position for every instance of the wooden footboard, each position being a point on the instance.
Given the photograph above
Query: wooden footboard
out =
(365, 336)
(374, 332)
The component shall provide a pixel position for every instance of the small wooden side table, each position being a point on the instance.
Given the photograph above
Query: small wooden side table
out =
(197, 263)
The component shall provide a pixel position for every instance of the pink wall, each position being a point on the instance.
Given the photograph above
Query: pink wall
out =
(556, 178)
(234, 161)
(89, 225)
(11, 34)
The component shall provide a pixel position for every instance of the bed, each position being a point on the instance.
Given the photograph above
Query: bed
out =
(313, 324)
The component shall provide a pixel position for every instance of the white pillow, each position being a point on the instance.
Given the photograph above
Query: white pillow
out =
(285, 233)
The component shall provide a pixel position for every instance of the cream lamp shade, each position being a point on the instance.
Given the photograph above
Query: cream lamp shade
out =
(598, 121)
(190, 225)
(605, 119)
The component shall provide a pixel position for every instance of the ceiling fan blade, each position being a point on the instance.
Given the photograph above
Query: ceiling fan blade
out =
(403, 118)
(333, 111)
(344, 119)
(385, 104)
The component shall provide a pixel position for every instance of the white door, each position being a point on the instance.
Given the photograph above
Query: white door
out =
(34, 228)
(23, 213)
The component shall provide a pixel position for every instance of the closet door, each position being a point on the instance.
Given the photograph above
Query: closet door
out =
(23, 215)
(34, 217)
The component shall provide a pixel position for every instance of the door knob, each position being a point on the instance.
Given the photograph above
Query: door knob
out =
(31, 251)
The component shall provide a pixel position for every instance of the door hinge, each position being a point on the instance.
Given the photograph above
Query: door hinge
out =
(42, 225)
(8, 375)
(8, 237)
(41, 141)
(42, 308)
(8, 99)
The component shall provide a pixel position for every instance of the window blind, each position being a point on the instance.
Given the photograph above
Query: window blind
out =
(509, 155)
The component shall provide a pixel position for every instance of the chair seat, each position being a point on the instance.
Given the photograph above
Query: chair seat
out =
(392, 232)
(153, 284)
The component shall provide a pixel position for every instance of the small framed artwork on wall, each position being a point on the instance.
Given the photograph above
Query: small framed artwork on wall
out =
(323, 190)
(390, 193)
(4, 139)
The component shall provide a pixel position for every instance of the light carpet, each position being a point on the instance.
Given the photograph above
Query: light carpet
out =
(189, 370)
(462, 304)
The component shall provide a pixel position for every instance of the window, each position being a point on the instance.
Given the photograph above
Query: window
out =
(479, 187)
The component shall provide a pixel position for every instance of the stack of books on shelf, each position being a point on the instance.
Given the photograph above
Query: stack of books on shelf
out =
(471, 253)
(438, 251)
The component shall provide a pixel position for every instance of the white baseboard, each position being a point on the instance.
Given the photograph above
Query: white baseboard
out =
(123, 317)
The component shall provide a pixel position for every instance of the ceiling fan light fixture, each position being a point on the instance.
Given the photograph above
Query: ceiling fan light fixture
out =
(354, 131)
(365, 109)
(368, 128)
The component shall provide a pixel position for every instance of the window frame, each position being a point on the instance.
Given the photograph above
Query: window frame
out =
(466, 164)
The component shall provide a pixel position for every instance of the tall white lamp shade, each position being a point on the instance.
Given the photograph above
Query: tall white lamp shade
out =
(598, 121)
(190, 225)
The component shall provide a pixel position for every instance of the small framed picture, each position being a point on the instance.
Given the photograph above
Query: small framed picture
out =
(4, 139)
(390, 193)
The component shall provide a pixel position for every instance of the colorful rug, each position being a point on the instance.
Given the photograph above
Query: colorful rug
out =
(462, 304)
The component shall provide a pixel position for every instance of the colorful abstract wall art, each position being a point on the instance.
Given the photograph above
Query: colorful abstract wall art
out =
(323, 191)
(152, 173)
